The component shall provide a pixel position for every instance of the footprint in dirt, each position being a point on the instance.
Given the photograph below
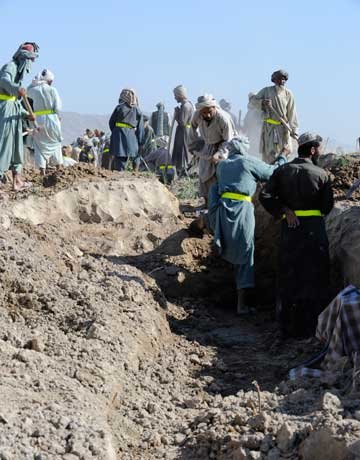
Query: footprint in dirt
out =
(51, 180)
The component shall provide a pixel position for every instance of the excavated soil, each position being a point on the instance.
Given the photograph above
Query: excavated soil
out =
(119, 339)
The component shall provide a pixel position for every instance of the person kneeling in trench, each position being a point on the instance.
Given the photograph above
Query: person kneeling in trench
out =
(231, 212)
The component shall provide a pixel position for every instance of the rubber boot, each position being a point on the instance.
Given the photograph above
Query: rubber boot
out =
(242, 308)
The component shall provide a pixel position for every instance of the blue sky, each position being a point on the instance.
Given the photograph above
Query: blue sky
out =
(224, 47)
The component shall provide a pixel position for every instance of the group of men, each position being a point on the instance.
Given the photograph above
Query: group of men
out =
(298, 193)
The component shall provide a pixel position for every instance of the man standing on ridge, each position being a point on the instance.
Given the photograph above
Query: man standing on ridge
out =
(279, 116)
(127, 131)
(183, 116)
(12, 112)
(47, 136)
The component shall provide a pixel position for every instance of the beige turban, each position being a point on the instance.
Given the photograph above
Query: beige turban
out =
(180, 91)
(207, 100)
(129, 97)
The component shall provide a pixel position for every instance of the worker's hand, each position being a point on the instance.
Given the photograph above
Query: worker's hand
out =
(291, 218)
(286, 150)
(267, 103)
(216, 158)
(31, 117)
(22, 92)
(294, 134)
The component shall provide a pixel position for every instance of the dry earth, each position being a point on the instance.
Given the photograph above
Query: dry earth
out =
(119, 341)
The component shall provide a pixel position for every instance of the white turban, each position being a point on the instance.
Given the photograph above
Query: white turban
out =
(46, 75)
(180, 91)
(207, 100)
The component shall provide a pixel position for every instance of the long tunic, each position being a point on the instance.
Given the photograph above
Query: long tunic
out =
(125, 141)
(160, 123)
(304, 250)
(180, 154)
(11, 114)
(233, 221)
(253, 123)
(215, 134)
(275, 136)
(47, 138)
(149, 141)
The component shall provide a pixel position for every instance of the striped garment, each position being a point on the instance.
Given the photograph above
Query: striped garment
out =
(338, 327)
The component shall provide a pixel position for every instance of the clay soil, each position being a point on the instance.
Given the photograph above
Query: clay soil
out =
(120, 341)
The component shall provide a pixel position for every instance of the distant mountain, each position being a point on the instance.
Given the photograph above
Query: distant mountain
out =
(335, 146)
(74, 124)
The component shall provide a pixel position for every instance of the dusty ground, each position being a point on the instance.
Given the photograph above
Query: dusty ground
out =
(119, 339)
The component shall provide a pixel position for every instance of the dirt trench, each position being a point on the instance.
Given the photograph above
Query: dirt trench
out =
(119, 340)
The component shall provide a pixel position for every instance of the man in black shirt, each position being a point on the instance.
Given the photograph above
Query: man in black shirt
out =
(300, 194)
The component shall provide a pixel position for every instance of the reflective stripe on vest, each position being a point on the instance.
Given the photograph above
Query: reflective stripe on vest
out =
(272, 122)
(307, 213)
(123, 125)
(236, 196)
(167, 167)
(188, 126)
(44, 112)
(6, 97)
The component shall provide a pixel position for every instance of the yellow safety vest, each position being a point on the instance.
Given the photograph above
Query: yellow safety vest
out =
(272, 122)
(307, 213)
(236, 196)
(167, 167)
(6, 97)
(44, 112)
(123, 125)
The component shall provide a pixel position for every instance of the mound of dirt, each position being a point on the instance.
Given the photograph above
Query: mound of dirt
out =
(111, 347)
(59, 180)
(345, 172)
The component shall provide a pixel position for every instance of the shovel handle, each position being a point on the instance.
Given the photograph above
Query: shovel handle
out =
(28, 108)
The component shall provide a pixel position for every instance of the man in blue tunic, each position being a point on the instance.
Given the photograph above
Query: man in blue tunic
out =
(231, 212)
(127, 131)
(12, 112)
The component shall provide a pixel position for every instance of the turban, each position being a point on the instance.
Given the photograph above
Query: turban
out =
(162, 142)
(46, 75)
(24, 56)
(206, 101)
(180, 92)
(129, 97)
(26, 50)
(309, 137)
(224, 104)
(239, 144)
(279, 74)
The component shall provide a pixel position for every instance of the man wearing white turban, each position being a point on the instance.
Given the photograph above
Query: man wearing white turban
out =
(47, 135)
(183, 115)
(276, 103)
(215, 128)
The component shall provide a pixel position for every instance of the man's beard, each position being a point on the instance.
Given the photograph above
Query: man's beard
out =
(315, 159)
